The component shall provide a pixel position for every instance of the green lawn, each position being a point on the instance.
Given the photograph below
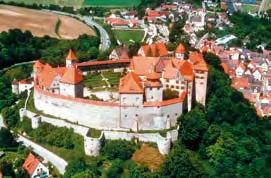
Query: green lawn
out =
(112, 3)
(94, 80)
(248, 8)
(128, 36)
(113, 77)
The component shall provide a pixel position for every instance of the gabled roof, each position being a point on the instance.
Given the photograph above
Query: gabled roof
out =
(142, 65)
(180, 49)
(170, 71)
(38, 64)
(71, 55)
(155, 50)
(72, 76)
(130, 84)
(31, 163)
(48, 74)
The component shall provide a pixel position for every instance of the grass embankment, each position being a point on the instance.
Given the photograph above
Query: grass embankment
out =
(112, 3)
(129, 36)
(57, 26)
(149, 156)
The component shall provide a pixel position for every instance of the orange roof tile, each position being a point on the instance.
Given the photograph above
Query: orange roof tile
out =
(31, 163)
(142, 65)
(72, 76)
(155, 50)
(153, 76)
(71, 55)
(239, 83)
(186, 70)
(225, 67)
(130, 84)
(48, 74)
(170, 72)
(38, 64)
(180, 49)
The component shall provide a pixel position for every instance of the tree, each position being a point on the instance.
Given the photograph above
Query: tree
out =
(11, 116)
(124, 150)
(192, 127)
(182, 163)
(75, 167)
(170, 94)
(6, 138)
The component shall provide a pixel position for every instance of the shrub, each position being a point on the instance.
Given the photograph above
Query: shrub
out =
(118, 149)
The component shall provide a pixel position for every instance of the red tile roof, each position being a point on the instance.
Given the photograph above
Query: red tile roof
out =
(141, 65)
(94, 63)
(225, 67)
(239, 83)
(48, 74)
(71, 55)
(186, 70)
(130, 84)
(155, 50)
(166, 102)
(72, 76)
(38, 64)
(31, 163)
(180, 49)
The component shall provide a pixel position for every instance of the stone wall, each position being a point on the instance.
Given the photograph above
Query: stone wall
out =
(108, 115)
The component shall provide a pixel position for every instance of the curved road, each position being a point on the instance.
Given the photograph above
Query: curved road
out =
(105, 39)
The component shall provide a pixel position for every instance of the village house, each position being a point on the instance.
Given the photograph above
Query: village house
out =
(35, 168)
(119, 53)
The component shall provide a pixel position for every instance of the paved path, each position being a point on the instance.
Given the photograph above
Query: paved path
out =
(105, 39)
(58, 162)
(18, 64)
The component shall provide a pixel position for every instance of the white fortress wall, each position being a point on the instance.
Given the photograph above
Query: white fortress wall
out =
(91, 115)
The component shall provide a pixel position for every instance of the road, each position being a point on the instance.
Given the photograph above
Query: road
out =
(58, 162)
(105, 39)
(18, 64)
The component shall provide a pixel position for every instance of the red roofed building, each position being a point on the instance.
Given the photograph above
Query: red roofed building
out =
(70, 83)
(153, 50)
(34, 167)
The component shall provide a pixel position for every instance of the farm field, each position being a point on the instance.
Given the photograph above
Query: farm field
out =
(41, 23)
(75, 3)
(128, 36)
(112, 3)
(80, 3)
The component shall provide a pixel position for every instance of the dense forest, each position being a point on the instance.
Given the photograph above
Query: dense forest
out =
(251, 31)
(17, 46)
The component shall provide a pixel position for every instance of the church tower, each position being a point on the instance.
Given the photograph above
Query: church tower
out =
(71, 59)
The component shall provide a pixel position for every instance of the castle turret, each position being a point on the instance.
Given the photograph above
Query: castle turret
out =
(37, 67)
(70, 83)
(71, 59)
(180, 51)
(153, 87)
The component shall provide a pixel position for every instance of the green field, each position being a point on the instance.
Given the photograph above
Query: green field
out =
(128, 36)
(112, 3)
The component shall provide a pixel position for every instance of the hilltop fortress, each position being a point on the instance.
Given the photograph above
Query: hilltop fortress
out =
(140, 105)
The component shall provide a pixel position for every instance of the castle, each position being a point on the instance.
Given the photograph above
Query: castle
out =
(140, 105)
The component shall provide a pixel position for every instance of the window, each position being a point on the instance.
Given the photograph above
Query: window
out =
(167, 116)
(177, 87)
(167, 80)
(136, 115)
(177, 81)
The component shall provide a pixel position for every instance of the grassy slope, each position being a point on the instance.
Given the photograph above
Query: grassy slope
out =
(112, 3)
